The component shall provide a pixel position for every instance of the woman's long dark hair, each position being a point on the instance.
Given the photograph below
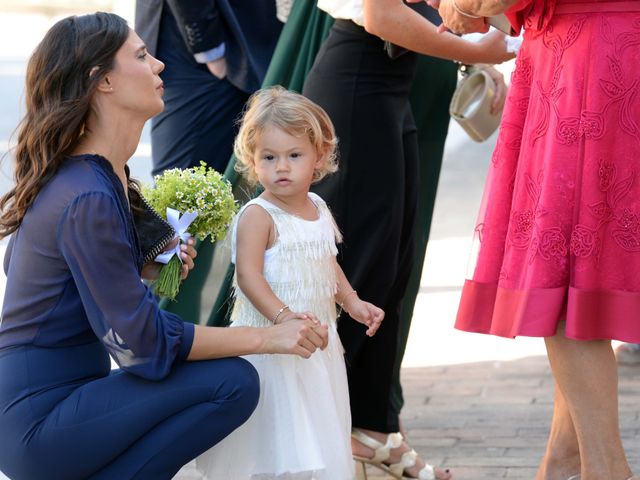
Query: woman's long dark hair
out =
(61, 80)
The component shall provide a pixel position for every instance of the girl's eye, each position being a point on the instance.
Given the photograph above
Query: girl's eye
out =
(295, 155)
(268, 157)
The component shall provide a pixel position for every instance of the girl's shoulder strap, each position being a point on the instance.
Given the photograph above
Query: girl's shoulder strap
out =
(324, 210)
(266, 206)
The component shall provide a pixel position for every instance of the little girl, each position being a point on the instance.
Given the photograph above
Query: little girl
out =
(284, 249)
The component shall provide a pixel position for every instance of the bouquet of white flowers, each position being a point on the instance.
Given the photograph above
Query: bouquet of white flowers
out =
(198, 199)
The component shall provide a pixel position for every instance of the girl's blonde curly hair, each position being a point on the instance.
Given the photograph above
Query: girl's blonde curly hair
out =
(294, 114)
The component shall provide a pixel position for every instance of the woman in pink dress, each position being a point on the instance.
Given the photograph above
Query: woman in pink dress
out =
(557, 250)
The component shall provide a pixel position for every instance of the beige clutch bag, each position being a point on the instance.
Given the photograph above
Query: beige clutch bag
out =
(471, 105)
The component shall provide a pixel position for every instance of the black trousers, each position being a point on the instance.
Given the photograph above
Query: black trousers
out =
(373, 197)
(433, 87)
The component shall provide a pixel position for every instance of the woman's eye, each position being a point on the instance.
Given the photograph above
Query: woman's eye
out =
(142, 56)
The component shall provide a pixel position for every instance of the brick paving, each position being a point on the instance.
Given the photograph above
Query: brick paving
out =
(490, 419)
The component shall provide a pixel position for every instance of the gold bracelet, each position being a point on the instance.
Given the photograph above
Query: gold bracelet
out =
(345, 298)
(461, 12)
(275, 319)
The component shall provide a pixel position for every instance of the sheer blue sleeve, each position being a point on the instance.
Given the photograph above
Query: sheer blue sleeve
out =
(7, 255)
(142, 338)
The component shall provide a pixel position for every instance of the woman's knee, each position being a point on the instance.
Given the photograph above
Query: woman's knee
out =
(243, 385)
(249, 381)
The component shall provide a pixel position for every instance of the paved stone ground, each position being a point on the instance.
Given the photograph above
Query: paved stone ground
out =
(490, 419)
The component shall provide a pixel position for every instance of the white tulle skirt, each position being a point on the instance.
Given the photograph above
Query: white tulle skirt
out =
(301, 427)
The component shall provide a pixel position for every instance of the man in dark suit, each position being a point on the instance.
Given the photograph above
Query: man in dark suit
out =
(216, 54)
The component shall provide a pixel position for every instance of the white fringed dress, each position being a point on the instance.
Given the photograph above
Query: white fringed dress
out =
(300, 429)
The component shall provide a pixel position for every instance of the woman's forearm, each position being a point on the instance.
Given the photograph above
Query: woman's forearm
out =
(485, 8)
(392, 20)
(220, 342)
(297, 336)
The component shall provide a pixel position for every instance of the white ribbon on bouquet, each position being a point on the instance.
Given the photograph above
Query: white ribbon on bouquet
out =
(180, 225)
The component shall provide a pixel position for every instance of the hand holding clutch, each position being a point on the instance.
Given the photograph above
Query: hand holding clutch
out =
(472, 102)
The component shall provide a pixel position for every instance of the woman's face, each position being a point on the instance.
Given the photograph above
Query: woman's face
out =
(135, 83)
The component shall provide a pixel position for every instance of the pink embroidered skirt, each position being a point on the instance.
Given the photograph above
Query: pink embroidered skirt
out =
(558, 235)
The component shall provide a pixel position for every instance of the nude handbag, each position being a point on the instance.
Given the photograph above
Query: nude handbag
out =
(471, 104)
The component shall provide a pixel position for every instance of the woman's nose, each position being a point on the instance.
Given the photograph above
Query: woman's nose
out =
(158, 66)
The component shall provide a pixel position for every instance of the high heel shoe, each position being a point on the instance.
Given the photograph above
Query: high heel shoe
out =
(361, 470)
(382, 452)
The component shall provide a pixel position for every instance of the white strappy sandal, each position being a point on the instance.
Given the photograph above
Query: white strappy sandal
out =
(383, 452)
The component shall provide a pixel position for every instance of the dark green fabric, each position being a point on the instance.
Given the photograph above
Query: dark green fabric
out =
(188, 300)
(300, 40)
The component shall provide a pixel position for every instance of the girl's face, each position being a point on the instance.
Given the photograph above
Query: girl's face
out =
(285, 163)
(135, 83)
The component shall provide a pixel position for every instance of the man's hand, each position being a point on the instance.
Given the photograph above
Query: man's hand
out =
(218, 67)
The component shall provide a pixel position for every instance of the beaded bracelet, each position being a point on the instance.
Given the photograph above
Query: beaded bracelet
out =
(275, 319)
(462, 12)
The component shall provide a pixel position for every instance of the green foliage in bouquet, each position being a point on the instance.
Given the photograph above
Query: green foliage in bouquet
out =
(198, 189)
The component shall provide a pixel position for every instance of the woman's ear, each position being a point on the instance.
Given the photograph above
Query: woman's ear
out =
(104, 85)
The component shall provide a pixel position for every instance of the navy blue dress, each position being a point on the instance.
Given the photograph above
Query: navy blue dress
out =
(73, 297)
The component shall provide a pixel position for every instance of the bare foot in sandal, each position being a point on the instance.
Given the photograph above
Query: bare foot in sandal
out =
(391, 453)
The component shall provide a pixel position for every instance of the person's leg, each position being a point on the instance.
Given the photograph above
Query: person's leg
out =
(122, 426)
(586, 372)
(431, 93)
(562, 457)
(373, 197)
(397, 292)
(366, 196)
